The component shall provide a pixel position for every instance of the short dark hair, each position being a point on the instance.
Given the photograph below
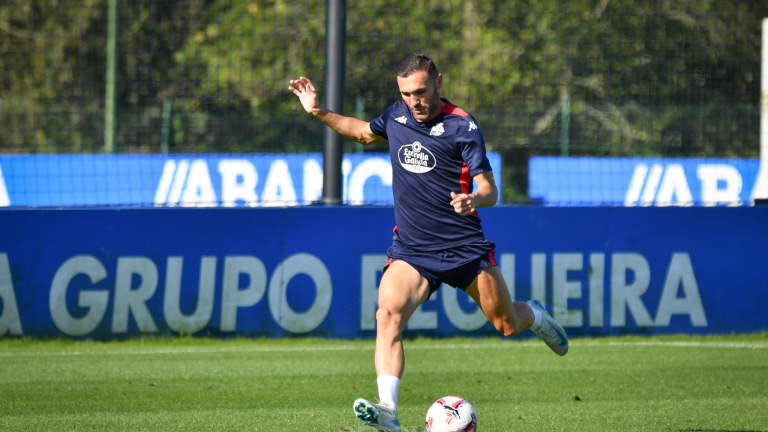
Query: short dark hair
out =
(416, 62)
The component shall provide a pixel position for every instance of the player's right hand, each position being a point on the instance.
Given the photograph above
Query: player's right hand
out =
(304, 89)
(463, 204)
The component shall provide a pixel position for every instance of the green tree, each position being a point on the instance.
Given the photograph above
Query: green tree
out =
(643, 77)
(47, 92)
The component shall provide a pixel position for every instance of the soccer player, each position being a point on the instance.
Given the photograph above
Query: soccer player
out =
(437, 150)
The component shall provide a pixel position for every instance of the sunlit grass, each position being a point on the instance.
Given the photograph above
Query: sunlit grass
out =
(677, 383)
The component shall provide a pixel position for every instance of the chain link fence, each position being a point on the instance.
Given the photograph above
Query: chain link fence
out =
(652, 78)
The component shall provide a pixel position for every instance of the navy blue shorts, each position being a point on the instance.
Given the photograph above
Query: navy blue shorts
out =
(457, 267)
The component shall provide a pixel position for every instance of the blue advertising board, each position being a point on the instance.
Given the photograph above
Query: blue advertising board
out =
(192, 180)
(114, 273)
(641, 182)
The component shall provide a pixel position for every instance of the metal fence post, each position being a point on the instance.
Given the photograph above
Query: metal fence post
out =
(109, 99)
(760, 193)
(335, 53)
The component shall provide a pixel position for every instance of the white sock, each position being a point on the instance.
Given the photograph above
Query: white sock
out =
(388, 387)
(536, 318)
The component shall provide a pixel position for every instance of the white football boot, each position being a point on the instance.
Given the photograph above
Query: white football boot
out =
(550, 332)
(381, 417)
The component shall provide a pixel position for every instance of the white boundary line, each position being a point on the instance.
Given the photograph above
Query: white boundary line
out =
(213, 350)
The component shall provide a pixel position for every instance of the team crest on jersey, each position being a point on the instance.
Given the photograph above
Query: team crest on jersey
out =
(401, 119)
(437, 129)
(416, 158)
(472, 125)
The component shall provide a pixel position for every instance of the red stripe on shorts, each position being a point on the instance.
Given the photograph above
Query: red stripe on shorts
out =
(492, 258)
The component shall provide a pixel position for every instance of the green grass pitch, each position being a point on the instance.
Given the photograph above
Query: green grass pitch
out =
(612, 384)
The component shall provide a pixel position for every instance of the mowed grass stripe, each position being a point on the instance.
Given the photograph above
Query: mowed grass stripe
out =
(615, 384)
(577, 344)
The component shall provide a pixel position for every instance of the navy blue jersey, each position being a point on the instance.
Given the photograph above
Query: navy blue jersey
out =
(429, 160)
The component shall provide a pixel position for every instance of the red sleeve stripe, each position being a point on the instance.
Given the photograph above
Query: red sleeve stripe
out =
(453, 109)
(465, 180)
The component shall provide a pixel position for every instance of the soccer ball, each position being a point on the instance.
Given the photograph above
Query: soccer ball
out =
(451, 414)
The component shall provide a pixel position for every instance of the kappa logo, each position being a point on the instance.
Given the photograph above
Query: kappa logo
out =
(401, 119)
(416, 158)
(437, 129)
(472, 125)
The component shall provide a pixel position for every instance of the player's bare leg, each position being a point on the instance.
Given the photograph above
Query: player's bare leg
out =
(401, 291)
(489, 290)
(510, 318)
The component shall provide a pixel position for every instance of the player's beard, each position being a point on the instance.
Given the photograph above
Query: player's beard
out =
(431, 107)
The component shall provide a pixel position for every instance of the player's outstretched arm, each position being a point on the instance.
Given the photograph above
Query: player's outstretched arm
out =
(486, 195)
(352, 128)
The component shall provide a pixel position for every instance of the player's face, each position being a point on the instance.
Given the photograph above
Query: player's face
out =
(422, 94)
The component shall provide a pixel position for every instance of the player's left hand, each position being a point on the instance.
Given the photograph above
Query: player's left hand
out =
(305, 90)
(463, 204)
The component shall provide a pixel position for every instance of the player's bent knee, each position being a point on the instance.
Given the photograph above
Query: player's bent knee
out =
(385, 318)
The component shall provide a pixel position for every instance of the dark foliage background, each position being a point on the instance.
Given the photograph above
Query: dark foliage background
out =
(635, 77)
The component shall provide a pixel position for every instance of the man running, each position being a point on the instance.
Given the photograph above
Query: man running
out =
(437, 150)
